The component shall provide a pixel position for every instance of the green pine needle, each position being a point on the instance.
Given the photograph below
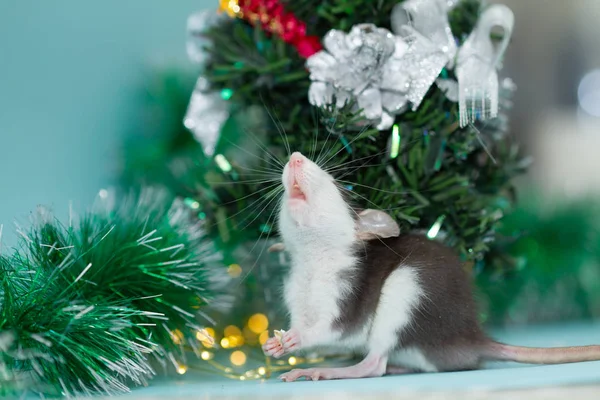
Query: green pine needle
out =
(84, 306)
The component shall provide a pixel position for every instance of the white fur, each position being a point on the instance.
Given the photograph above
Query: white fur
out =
(319, 234)
(400, 295)
(412, 358)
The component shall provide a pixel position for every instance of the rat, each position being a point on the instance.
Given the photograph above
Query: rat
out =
(403, 301)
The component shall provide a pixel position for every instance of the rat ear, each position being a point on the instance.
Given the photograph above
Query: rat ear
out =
(373, 224)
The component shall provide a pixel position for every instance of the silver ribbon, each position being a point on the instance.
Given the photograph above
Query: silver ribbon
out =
(477, 64)
(424, 25)
(207, 111)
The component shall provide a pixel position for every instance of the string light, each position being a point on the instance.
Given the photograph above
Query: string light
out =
(435, 228)
(177, 336)
(206, 336)
(230, 7)
(238, 358)
(262, 371)
(224, 343)
(258, 323)
(262, 339)
(234, 270)
(292, 360)
(206, 355)
(181, 369)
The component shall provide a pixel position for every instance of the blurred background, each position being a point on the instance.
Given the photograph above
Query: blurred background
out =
(72, 79)
(75, 78)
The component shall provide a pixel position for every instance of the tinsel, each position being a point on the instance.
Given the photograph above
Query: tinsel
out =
(95, 305)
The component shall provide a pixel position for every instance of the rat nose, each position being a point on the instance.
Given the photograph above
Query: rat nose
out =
(296, 159)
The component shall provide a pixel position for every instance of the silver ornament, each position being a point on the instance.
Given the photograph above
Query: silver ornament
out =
(206, 114)
(477, 64)
(362, 65)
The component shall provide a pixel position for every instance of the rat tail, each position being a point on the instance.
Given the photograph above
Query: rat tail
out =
(538, 355)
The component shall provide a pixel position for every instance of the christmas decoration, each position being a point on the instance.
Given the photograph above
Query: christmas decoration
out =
(89, 306)
(382, 72)
(452, 182)
(207, 113)
(363, 65)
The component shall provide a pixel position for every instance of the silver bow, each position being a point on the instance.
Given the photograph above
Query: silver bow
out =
(363, 65)
(477, 63)
(207, 110)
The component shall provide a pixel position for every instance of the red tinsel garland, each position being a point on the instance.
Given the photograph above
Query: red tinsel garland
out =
(273, 18)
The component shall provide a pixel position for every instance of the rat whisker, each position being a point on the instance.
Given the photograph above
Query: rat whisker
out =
(362, 131)
(255, 181)
(260, 169)
(367, 200)
(263, 147)
(273, 197)
(482, 143)
(272, 186)
(259, 239)
(254, 205)
(268, 160)
(316, 138)
(344, 165)
(278, 126)
(329, 130)
(373, 188)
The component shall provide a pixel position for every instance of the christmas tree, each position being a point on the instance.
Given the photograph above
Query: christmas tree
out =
(400, 101)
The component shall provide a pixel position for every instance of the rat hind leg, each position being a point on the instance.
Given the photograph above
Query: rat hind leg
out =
(372, 366)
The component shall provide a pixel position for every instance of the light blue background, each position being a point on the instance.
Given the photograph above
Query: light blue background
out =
(70, 73)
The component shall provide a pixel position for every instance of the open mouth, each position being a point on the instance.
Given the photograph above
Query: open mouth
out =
(296, 192)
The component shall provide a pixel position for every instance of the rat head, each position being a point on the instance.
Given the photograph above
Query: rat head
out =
(311, 195)
(314, 209)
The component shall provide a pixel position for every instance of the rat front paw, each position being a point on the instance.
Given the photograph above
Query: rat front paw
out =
(291, 341)
(273, 348)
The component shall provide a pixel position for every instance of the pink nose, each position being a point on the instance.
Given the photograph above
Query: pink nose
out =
(296, 159)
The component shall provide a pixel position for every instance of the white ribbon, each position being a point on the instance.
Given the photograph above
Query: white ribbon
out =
(425, 27)
(477, 63)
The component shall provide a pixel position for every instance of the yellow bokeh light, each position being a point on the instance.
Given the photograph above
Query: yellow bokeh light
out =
(206, 355)
(233, 341)
(292, 360)
(234, 270)
(177, 336)
(240, 340)
(181, 369)
(262, 339)
(224, 343)
(233, 330)
(262, 371)
(258, 323)
(205, 336)
(238, 358)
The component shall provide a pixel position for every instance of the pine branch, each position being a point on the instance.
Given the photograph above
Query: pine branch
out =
(83, 307)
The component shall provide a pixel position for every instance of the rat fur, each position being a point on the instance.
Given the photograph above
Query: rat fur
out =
(405, 302)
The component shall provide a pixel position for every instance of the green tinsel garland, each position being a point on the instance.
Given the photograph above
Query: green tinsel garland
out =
(95, 306)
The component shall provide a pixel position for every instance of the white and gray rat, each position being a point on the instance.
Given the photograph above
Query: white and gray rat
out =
(403, 301)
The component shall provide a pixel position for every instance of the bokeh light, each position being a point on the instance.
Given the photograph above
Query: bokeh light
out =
(258, 323)
(588, 93)
(238, 358)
